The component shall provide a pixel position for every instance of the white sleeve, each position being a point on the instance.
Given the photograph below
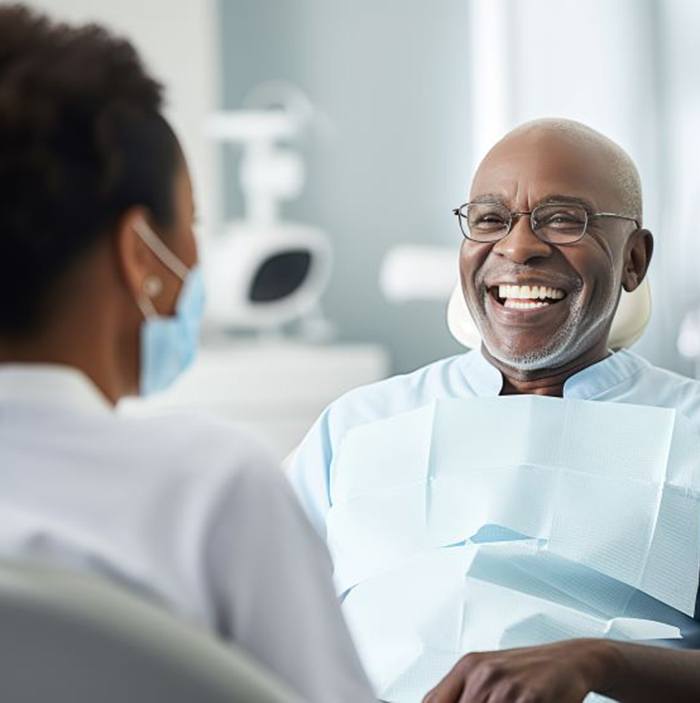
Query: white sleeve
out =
(271, 580)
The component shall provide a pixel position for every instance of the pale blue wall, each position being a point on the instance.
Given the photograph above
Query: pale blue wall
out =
(391, 76)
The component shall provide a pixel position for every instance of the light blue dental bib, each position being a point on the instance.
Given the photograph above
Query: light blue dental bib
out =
(491, 523)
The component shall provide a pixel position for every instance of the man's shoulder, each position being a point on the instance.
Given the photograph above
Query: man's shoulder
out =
(659, 386)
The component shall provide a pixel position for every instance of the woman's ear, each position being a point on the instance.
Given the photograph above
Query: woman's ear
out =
(135, 261)
(639, 249)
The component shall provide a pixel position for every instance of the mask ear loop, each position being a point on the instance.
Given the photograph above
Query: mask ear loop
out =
(155, 244)
(152, 285)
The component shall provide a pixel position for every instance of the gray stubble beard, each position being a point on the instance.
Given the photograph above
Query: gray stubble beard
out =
(565, 346)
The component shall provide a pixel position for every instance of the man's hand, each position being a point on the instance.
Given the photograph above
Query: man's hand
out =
(564, 672)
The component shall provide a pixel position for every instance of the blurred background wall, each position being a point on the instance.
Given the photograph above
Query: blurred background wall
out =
(177, 43)
(388, 151)
(411, 95)
(627, 69)
(406, 96)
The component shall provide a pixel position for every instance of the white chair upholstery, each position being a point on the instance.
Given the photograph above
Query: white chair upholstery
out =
(73, 638)
(630, 320)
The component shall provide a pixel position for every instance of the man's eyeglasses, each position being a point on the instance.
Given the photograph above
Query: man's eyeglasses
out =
(552, 222)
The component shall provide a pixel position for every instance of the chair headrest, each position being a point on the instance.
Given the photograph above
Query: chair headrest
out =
(630, 320)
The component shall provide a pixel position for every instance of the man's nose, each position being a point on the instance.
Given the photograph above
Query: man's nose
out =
(521, 244)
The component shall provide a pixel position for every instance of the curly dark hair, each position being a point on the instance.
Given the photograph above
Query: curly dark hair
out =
(82, 139)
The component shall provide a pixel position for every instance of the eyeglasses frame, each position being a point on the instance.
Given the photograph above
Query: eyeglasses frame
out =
(514, 215)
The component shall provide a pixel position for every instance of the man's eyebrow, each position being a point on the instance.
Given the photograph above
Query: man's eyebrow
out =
(552, 198)
(488, 198)
(574, 199)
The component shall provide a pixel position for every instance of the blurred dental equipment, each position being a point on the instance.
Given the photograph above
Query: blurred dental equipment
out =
(263, 272)
(417, 272)
(689, 338)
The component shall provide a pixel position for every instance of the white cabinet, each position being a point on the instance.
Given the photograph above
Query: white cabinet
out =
(275, 389)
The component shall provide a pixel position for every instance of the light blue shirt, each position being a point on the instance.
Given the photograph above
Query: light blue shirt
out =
(622, 377)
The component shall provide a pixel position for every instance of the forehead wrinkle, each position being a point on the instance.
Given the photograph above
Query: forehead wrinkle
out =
(568, 199)
(522, 186)
(546, 200)
(523, 183)
(617, 168)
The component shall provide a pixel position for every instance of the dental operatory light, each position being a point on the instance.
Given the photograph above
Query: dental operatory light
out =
(263, 272)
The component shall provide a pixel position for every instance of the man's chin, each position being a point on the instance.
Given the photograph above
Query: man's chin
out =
(526, 358)
(530, 340)
(546, 338)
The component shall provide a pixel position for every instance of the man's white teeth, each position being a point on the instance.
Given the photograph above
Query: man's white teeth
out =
(524, 304)
(510, 292)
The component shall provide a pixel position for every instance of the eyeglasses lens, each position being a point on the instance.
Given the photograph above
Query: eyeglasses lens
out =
(558, 223)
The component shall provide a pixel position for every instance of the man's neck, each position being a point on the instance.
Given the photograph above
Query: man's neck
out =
(544, 381)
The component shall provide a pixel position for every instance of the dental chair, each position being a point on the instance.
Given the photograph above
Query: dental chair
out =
(69, 637)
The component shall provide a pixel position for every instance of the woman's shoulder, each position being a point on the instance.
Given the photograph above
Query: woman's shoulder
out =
(197, 444)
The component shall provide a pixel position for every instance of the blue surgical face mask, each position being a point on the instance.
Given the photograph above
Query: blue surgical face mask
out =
(169, 344)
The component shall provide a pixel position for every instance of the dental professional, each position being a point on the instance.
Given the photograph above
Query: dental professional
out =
(552, 233)
(101, 297)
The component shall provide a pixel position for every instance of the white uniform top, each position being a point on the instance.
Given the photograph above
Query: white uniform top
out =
(184, 508)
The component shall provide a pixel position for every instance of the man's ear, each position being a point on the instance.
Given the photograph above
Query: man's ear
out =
(639, 249)
(134, 259)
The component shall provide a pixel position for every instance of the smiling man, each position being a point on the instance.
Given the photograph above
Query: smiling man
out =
(552, 235)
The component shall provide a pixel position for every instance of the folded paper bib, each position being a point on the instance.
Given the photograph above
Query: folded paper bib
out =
(488, 523)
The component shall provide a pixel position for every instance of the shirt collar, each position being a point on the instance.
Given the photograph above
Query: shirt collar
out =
(603, 375)
(486, 380)
(51, 385)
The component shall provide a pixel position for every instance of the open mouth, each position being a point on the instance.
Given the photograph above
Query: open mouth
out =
(525, 297)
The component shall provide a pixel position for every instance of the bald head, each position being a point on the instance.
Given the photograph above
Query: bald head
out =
(617, 167)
